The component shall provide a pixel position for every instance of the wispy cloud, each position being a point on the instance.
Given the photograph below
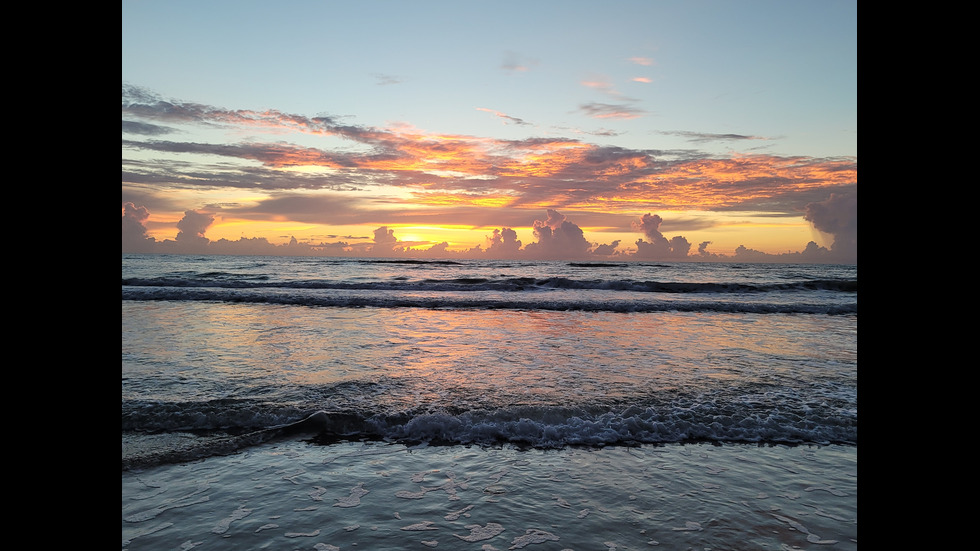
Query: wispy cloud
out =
(624, 108)
(515, 62)
(703, 137)
(387, 80)
(454, 171)
(603, 85)
(505, 116)
(611, 111)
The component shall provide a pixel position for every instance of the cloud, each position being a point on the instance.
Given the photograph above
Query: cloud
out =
(505, 116)
(557, 238)
(606, 249)
(145, 129)
(645, 61)
(450, 178)
(557, 172)
(134, 236)
(191, 229)
(515, 62)
(701, 137)
(623, 109)
(603, 85)
(837, 216)
(611, 111)
(503, 243)
(658, 247)
(384, 236)
(386, 80)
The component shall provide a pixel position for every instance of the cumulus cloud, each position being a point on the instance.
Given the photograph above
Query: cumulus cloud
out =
(503, 243)
(385, 237)
(606, 249)
(191, 229)
(193, 225)
(134, 236)
(838, 217)
(658, 247)
(557, 238)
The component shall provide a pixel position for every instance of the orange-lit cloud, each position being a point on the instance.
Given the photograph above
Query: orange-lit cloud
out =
(462, 177)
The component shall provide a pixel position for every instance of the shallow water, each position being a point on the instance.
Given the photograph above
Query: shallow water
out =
(289, 403)
(295, 495)
(483, 376)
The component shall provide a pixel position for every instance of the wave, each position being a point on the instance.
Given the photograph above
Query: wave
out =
(511, 284)
(447, 301)
(542, 427)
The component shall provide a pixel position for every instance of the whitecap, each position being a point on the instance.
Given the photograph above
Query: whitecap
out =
(354, 499)
(424, 525)
(478, 533)
(456, 514)
(302, 534)
(317, 493)
(238, 514)
(532, 535)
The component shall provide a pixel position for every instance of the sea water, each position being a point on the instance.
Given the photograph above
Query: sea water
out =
(560, 405)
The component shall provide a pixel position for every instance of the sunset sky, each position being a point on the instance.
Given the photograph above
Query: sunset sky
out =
(612, 129)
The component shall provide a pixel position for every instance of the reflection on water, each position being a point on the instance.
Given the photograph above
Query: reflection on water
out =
(463, 358)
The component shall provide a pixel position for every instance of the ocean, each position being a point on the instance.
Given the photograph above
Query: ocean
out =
(385, 403)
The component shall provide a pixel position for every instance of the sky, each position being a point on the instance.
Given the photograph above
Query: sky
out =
(667, 130)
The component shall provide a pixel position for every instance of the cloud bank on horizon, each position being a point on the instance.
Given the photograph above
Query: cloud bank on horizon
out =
(581, 190)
